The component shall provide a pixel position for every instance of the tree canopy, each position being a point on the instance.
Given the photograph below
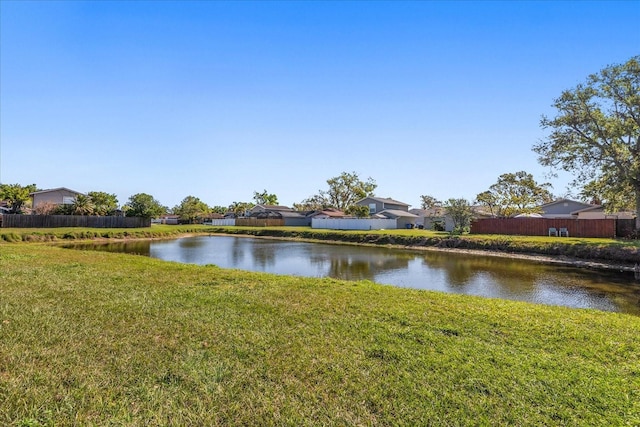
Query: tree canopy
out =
(82, 205)
(103, 203)
(429, 202)
(344, 191)
(460, 212)
(16, 196)
(265, 198)
(145, 206)
(515, 193)
(595, 134)
(358, 211)
(240, 208)
(191, 209)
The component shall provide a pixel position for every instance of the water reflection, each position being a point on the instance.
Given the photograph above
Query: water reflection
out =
(443, 271)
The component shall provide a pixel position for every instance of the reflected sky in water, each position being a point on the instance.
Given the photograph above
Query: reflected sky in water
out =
(487, 276)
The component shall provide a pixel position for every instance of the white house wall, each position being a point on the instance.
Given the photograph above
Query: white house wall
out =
(354, 224)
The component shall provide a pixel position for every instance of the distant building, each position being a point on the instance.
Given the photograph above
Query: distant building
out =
(55, 196)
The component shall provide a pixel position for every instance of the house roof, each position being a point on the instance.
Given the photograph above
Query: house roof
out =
(291, 214)
(396, 213)
(274, 207)
(51, 190)
(214, 215)
(384, 200)
(590, 208)
(557, 202)
(330, 212)
(432, 212)
(529, 215)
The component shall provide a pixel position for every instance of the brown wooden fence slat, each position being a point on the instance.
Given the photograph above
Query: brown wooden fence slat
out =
(56, 221)
(540, 226)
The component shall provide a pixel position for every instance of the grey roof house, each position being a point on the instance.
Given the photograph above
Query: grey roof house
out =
(404, 219)
(379, 204)
(290, 217)
(566, 208)
(55, 196)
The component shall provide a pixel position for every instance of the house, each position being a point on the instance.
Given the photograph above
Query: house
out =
(55, 196)
(290, 217)
(167, 219)
(571, 209)
(403, 219)
(379, 204)
(213, 215)
(326, 213)
(564, 208)
(438, 219)
(434, 218)
(268, 208)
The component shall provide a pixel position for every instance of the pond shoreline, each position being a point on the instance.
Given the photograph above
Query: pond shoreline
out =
(544, 259)
(603, 265)
(589, 255)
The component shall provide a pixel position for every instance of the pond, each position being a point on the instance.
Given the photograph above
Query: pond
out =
(488, 276)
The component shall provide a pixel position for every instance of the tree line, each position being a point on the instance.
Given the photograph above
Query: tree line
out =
(595, 135)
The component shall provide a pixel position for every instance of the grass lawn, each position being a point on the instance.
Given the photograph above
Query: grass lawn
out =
(97, 338)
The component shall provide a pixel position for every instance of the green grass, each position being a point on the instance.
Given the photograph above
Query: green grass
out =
(96, 338)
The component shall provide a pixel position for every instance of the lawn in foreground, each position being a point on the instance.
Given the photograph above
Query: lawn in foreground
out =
(100, 338)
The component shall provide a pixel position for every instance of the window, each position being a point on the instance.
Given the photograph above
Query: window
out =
(68, 200)
(372, 208)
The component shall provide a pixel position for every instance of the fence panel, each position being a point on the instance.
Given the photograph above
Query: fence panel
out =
(541, 226)
(354, 224)
(56, 221)
(257, 222)
(221, 222)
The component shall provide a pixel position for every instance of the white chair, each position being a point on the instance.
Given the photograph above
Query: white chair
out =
(564, 232)
(553, 231)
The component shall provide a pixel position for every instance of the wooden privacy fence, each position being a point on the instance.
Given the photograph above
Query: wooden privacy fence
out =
(541, 226)
(257, 222)
(55, 221)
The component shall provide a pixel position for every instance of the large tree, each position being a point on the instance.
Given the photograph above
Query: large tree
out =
(489, 200)
(219, 209)
(515, 193)
(614, 196)
(429, 202)
(103, 203)
(240, 208)
(16, 196)
(461, 213)
(265, 198)
(145, 206)
(191, 209)
(344, 190)
(313, 203)
(595, 133)
(358, 211)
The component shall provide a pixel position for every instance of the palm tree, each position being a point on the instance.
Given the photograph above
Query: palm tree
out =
(82, 205)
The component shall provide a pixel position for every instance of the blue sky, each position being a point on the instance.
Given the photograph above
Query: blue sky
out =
(221, 99)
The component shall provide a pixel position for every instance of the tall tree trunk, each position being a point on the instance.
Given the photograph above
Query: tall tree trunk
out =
(637, 188)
